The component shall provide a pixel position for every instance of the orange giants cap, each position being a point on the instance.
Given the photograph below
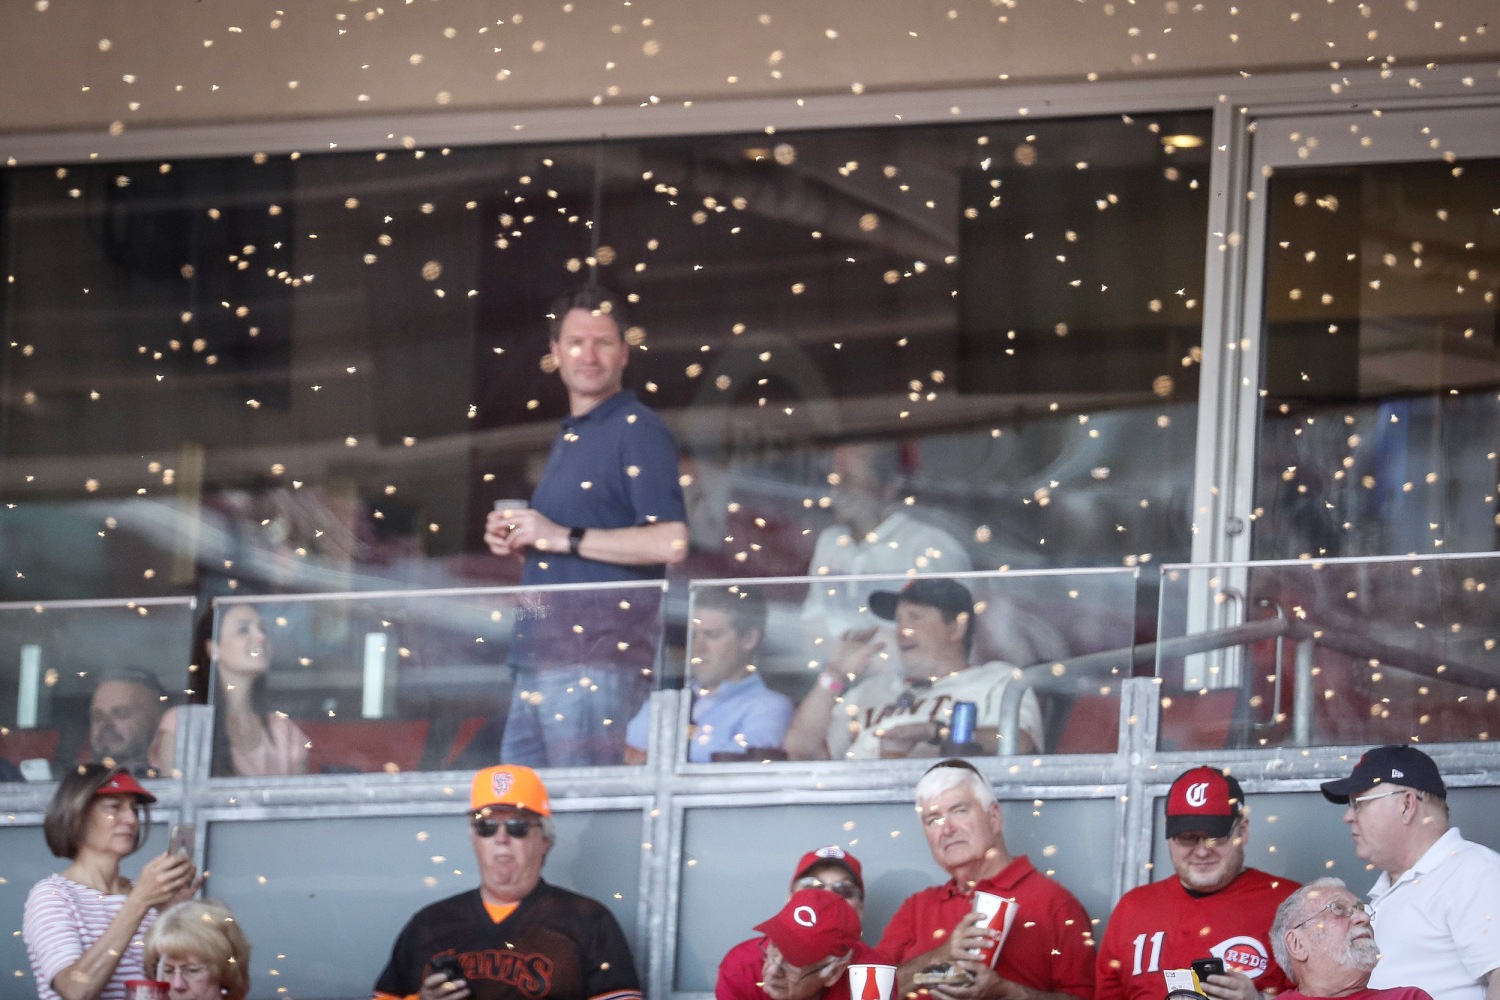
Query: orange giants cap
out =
(509, 785)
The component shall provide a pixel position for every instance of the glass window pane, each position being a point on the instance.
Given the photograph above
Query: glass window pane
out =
(83, 681)
(934, 665)
(1329, 652)
(316, 373)
(435, 680)
(1382, 361)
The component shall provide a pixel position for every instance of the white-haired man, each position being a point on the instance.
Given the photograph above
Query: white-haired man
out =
(935, 935)
(1323, 940)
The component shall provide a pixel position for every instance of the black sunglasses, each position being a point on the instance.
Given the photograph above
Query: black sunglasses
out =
(516, 827)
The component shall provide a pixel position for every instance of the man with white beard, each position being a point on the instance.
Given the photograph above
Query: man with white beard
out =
(1323, 940)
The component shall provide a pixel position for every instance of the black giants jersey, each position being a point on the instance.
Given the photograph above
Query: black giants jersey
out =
(555, 944)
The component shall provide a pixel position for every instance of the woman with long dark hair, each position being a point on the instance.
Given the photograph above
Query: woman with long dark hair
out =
(250, 739)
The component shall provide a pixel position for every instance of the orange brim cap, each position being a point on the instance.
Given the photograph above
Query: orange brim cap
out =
(509, 785)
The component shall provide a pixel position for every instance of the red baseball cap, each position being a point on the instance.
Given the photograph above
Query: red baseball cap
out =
(813, 925)
(832, 854)
(121, 783)
(1204, 800)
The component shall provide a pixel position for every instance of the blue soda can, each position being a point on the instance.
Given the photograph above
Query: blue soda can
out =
(961, 726)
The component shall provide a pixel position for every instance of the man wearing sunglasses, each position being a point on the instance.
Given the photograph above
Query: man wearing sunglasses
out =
(1433, 905)
(830, 869)
(515, 936)
(807, 947)
(1323, 940)
(1212, 906)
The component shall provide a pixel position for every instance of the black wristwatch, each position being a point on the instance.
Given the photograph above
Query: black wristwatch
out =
(575, 535)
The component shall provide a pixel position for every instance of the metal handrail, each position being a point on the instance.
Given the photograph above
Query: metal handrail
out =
(1076, 674)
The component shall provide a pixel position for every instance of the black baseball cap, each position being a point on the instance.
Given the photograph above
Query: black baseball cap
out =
(948, 596)
(1401, 764)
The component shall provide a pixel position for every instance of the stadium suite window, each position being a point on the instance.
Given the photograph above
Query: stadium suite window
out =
(317, 373)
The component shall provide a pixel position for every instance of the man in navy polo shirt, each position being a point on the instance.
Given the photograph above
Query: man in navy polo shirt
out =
(608, 508)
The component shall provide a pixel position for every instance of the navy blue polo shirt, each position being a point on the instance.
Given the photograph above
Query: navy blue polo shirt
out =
(613, 467)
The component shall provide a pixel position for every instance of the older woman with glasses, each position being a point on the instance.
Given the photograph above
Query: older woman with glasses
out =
(198, 949)
(775, 965)
(83, 927)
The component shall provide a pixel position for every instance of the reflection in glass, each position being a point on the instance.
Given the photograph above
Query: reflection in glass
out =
(1382, 362)
(318, 373)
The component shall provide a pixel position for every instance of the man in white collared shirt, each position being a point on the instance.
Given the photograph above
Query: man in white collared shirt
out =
(1433, 906)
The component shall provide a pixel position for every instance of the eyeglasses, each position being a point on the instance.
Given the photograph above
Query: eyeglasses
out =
(1338, 908)
(772, 963)
(1356, 803)
(516, 827)
(1192, 841)
(848, 890)
(192, 972)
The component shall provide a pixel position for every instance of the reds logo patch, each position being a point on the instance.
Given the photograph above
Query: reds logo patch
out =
(500, 782)
(1243, 954)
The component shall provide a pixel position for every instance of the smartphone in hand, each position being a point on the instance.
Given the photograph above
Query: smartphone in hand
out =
(1205, 967)
(449, 966)
(180, 840)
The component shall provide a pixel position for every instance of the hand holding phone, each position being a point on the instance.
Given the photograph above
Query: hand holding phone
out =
(450, 967)
(1205, 967)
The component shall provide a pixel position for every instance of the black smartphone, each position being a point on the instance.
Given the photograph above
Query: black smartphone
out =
(449, 966)
(1205, 967)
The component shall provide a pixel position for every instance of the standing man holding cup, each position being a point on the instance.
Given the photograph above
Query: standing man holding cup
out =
(608, 508)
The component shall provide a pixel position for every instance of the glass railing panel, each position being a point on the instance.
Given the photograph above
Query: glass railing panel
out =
(1330, 652)
(89, 680)
(430, 680)
(869, 667)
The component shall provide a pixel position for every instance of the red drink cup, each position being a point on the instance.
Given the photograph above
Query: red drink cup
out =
(996, 913)
(146, 989)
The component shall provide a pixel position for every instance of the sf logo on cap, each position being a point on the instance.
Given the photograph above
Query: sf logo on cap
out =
(1197, 795)
(500, 782)
(805, 916)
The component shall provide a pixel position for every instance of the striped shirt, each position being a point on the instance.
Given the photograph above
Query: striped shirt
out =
(62, 920)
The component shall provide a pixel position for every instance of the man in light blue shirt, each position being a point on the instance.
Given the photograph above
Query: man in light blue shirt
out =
(734, 713)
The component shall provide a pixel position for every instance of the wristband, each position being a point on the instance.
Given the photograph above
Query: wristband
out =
(575, 535)
(831, 684)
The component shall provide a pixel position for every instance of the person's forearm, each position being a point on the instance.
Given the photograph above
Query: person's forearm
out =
(1492, 985)
(86, 978)
(907, 970)
(807, 736)
(663, 543)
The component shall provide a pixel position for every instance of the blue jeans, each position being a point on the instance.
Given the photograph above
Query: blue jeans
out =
(573, 716)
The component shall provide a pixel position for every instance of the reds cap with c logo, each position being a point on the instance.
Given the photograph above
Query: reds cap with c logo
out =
(813, 926)
(509, 785)
(1204, 800)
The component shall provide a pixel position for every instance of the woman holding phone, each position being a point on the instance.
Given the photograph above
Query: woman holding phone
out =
(83, 927)
(250, 739)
